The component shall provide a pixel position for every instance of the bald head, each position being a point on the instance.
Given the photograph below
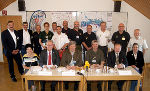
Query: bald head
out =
(121, 27)
(65, 24)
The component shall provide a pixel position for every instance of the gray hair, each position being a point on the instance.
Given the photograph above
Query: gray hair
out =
(72, 43)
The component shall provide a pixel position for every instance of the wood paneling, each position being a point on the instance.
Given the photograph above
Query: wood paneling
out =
(3, 25)
(5, 3)
(143, 6)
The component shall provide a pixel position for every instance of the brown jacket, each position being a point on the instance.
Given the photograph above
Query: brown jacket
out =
(94, 57)
(67, 57)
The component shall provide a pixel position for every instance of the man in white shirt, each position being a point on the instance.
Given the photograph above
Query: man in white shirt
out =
(26, 37)
(139, 40)
(60, 40)
(103, 37)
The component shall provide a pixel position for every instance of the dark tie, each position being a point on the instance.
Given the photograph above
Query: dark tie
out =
(117, 58)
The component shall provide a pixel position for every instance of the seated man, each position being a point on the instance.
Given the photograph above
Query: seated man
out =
(70, 59)
(30, 55)
(136, 60)
(96, 59)
(117, 59)
(49, 57)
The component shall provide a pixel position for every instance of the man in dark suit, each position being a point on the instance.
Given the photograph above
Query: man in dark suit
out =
(12, 46)
(117, 59)
(136, 60)
(26, 37)
(49, 57)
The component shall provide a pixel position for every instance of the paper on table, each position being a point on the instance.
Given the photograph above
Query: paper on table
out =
(124, 72)
(45, 73)
(68, 73)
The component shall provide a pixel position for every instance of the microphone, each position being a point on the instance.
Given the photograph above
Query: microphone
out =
(79, 73)
(86, 66)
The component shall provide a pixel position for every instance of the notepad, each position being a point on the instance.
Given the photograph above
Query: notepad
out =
(124, 72)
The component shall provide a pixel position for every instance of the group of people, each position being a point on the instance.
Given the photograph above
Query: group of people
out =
(64, 47)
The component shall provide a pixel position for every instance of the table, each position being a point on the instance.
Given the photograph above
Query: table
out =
(91, 76)
(56, 76)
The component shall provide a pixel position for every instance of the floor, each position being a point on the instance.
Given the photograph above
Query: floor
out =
(7, 85)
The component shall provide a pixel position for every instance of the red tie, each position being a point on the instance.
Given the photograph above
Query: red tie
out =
(49, 59)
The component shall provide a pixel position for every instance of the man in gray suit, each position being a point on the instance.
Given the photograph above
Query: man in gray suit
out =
(49, 57)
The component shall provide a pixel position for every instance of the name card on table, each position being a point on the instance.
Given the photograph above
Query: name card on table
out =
(45, 73)
(124, 72)
(68, 73)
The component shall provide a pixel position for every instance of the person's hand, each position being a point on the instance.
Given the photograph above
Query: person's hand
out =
(53, 67)
(133, 66)
(89, 48)
(68, 67)
(44, 47)
(14, 52)
(119, 66)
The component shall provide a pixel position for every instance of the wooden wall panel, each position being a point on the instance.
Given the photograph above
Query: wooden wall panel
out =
(143, 6)
(3, 26)
(5, 3)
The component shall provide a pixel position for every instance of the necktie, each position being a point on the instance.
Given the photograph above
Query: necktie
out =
(117, 58)
(49, 59)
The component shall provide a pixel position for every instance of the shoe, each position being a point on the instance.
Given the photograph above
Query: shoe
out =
(14, 79)
(66, 87)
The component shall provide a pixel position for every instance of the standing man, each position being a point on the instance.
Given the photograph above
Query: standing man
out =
(45, 36)
(88, 37)
(49, 57)
(54, 27)
(12, 46)
(36, 44)
(122, 37)
(103, 37)
(139, 40)
(76, 34)
(65, 28)
(117, 59)
(60, 41)
(26, 37)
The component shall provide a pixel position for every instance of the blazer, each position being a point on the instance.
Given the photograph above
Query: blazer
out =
(98, 56)
(67, 57)
(111, 59)
(8, 42)
(138, 62)
(55, 58)
(21, 35)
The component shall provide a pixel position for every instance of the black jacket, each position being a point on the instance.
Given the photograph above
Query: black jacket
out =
(111, 60)
(21, 35)
(55, 58)
(8, 42)
(138, 62)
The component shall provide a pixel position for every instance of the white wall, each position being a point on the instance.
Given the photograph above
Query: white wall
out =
(135, 19)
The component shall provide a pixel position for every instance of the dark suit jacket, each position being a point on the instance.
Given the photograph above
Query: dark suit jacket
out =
(111, 60)
(138, 62)
(67, 57)
(21, 35)
(8, 42)
(55, 58)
